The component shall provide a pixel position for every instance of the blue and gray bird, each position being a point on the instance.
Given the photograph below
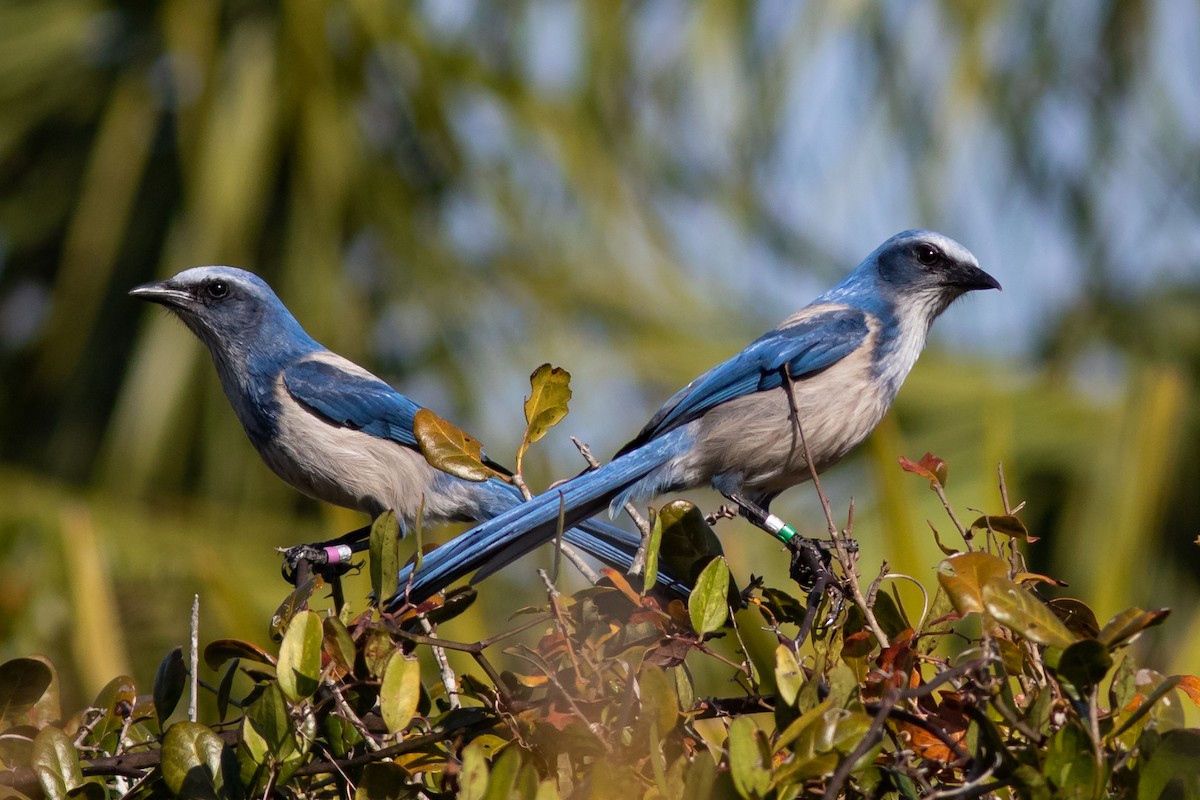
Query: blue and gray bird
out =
(329, 427)
(829, 372)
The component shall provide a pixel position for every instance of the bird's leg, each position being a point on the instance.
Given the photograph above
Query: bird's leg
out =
(761, 518)
(329, 558)
(811, 558)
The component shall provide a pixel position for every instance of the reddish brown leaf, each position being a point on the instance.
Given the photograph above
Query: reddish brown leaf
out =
(858, 645)
(1190, 685)
(927, 745)
(622, 585)
(559, 720)
(929, 467)
(668, 653)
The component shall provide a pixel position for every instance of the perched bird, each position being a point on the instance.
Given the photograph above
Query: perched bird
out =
(829, 372)
(327, 426)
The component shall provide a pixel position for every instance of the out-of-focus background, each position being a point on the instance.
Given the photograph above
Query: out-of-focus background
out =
(452, 192)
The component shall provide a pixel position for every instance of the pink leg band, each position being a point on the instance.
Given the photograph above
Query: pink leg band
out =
(339, 553)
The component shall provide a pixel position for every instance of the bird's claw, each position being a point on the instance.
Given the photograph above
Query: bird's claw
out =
(316, 559)
(811, 560)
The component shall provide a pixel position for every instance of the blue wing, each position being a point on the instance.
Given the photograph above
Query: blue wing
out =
(806, 347)
(352, 400)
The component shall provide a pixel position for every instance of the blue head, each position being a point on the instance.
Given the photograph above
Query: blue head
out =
(234, 312)
(918, 271)
(249, 333)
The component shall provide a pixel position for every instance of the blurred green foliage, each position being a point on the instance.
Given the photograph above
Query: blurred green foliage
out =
(454, 192)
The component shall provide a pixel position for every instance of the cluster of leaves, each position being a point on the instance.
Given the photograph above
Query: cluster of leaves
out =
(991, 691)
(604, 703)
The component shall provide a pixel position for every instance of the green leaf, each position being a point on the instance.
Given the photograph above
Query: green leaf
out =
(688, 543)
(708, 604)
(268, 728)
(890, 615)
(299, 669)
(1171, 769)
(1084, 664)
(377, 649)
(337, 644)
(1020, 610)
(473, 777)
(783, 606)
(788, 677)
(1077, 616)
(658, 701)
(221, 650)
(192, 762)
(450, 449)
(385, 781)
(1125, 626)
(385, 554)
(56, 763)
(225, 689)
(505, 772)
(117, 698)
(962, 577)
(400, 691)
(749, 758)
(169, 682)
(293, 604)
(650, 574)
(1005, 524)
(820, 738)
(1123, 686)
(23, 681)
(1070, 766)
(700, 778)
(550, 392)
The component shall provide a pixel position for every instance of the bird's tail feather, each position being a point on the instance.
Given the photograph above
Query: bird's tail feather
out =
(527, 525)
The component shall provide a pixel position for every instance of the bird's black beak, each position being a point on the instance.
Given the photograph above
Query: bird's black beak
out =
(970, 278)
(166, 293)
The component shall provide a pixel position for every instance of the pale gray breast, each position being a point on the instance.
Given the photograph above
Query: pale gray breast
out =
(756, 434)
(353, 469)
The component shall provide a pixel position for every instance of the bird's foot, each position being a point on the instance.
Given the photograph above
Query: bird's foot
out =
(724, 512)
(811, 560)
(330, 561)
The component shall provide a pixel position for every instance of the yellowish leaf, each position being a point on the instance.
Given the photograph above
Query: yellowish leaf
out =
(449, 448)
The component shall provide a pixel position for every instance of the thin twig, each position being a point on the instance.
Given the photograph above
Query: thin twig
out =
(577, 560)
(353, 718)
(195, 659)
(843, 555)
(449, 680)
(941, 493)
(552, 596)
(643, 526)
(519, 481)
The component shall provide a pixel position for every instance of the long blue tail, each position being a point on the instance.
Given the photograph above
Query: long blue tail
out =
(520, 529)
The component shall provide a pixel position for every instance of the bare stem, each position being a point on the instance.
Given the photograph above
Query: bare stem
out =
(839, 546)
(576, 558)
(643, 525)
(195, 658)
(353, 718)
(941, 493)
(439, 655)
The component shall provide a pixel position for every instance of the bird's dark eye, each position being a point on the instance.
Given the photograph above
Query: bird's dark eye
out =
(217, 289)
(928, 255)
